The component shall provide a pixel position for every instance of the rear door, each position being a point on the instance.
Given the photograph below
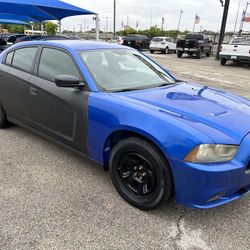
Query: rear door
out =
(15, 74)
(60, 113)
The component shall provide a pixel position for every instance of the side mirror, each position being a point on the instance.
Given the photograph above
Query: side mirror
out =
(68, 81)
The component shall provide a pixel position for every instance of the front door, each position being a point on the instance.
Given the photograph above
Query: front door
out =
(60, 113)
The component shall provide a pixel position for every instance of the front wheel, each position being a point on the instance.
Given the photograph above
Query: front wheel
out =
(152, 51)
(3, 118)
(166, 51)
(140, 174)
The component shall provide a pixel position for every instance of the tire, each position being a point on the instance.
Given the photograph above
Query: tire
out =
(223, 61)
(208, 54)
(179, 54)
(152, 51)
(166, 51)
(198, 55)
(140, 174)
(3, 118)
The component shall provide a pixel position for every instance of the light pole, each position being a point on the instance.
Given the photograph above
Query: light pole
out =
(179, 22)
(236, 21)
(114, 17)
(223, 26)
(242, 21)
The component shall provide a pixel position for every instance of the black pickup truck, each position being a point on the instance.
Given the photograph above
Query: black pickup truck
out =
(194, 44)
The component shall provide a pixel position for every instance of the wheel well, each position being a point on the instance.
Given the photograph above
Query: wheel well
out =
(118, 136)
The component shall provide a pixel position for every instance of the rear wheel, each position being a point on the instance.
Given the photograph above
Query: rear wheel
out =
(208, 54)
(140, 174)
(152, 51)
(3, 118)
(179, 54)
(198, 55)
(223, 61)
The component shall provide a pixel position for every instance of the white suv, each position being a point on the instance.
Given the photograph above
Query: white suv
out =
(163, 44)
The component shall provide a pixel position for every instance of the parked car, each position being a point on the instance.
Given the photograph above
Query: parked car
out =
(162, 44)
(138, 42)
(28, 38)
(157, 136)
(48, 38)
(117, 39)
(5, 36)
(194, 44)
(12, 39)
(238, 50)
(3, 42)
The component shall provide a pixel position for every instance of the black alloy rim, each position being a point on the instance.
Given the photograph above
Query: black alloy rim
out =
(137, 174)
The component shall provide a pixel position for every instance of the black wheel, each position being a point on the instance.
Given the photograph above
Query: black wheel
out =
(140, 174)
(198, 55)
(3, 118)
(223, 61)
(179, 54)
(208, 54)
(152, 52)
(167, 51)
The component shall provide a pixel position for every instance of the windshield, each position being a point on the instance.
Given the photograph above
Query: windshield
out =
(158, 39)
(123, 70)
(242, 41)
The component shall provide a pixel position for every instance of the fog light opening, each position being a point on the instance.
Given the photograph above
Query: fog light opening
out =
(216, 197)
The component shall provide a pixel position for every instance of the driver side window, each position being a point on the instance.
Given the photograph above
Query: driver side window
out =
(55, 62)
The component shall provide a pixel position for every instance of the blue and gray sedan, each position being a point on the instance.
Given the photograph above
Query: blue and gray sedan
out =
(159, 137)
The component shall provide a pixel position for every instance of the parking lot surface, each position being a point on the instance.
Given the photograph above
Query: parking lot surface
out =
(51, 199)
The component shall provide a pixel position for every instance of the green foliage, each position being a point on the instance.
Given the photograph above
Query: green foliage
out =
(51, 28)
(13, 28)
(153, 32)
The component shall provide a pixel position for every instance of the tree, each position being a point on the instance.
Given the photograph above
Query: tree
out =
(51, 28)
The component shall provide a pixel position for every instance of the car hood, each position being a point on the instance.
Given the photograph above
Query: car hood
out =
(214, 112)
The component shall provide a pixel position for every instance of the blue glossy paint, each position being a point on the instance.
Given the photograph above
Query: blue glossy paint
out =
(176, 119)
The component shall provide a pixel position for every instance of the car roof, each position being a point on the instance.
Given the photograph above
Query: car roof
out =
(72, 44)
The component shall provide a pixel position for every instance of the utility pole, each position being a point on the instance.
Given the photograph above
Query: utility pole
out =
(114, 17)
(179, 22)
(223, 26)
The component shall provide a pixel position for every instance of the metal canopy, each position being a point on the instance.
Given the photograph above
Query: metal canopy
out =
(17, 17)
(11, 21)
(40, 10)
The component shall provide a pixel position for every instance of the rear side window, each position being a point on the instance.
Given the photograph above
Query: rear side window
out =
(9, 57)
(55, 62)
(23, 58)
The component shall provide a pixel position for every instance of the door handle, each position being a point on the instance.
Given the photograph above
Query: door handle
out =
(33, 91)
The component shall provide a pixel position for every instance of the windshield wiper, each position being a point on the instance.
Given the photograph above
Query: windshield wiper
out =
(127, 90)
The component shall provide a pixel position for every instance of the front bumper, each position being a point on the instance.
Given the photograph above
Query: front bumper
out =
(211, 185)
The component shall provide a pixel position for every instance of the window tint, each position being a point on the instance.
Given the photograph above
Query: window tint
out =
(9, 57)
(54, 63)
(157, 39)
(23, 58)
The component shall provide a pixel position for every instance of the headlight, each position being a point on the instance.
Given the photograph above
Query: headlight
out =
(210, 153)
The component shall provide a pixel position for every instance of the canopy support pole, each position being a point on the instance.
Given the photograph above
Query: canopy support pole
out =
(97, 28)
(41, 27)
(60, 27)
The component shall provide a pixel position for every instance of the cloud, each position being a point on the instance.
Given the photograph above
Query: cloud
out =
(151, 11)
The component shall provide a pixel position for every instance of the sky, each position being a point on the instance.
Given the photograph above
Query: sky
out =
(150, 12)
